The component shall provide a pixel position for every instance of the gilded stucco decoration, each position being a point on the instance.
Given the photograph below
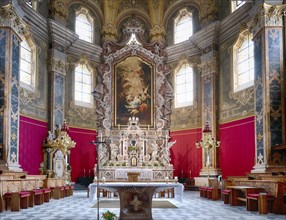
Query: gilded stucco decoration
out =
(10, 18)
(243, 97)
(58, 9)
(27, 97)
(57, 65)
(186, 118)
(268, 15)
(141, 5)
(208, 11)
(82, 112)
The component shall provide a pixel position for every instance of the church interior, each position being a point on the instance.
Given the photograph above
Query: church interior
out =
(189, 94)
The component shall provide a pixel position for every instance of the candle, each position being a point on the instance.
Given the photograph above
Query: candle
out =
(176, 179)
(118, 127)
(208, 160)
(100, 137)
(148, 127)
(167, 179)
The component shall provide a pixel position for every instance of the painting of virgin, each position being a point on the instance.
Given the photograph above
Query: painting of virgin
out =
(133, 92)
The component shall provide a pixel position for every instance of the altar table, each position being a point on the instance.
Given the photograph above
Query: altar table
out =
(136, 197)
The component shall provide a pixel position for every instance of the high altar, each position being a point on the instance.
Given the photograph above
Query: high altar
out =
(133, 98)
(135, 150)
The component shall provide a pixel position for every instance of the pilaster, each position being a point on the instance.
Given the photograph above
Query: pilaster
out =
(11, 30)
(157, 32)
(267, 29)
(209, 71)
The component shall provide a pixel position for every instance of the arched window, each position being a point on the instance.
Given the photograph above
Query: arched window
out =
(84, 25)
(184, 88)
(27, 64)
(183, 26)
(83, 85)
(243, 62)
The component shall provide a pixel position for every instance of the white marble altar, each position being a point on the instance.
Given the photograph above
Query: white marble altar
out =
(136, 197)
(145, 174)
(131, 147)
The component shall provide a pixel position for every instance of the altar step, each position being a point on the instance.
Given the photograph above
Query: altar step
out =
(192, 188)
(78, 186)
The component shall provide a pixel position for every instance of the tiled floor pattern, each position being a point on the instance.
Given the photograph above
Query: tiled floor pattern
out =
(79, 207)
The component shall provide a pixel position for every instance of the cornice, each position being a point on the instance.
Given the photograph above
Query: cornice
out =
(38, 24)
(61, 37)
(230, 26)
(197, 43)
(81, 47)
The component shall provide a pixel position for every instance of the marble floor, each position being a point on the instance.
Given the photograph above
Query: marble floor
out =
(193, 207)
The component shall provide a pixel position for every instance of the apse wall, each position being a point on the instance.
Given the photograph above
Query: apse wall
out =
(83, 156)
(185, 156)
(31, 135)
(237, 150)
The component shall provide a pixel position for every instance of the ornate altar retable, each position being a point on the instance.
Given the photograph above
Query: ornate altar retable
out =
(135, 150)
(136, 197)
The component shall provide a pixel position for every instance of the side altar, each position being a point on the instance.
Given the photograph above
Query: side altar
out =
(133, 149)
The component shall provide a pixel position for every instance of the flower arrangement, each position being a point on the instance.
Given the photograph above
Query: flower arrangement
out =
(108, 215)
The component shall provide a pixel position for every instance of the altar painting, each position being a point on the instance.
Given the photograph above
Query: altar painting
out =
(133, 92)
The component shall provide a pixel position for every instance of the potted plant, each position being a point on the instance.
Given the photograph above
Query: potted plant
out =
(109, 215)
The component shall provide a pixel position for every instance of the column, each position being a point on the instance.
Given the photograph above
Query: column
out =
(209, 72)
(267, 29)
(11, 30)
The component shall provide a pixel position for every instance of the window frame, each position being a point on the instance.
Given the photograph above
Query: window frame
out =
(82, 103)
(32, 46)
(176, 72)
(183, 12)
(235, 51)
(234, 5)
(85, 12)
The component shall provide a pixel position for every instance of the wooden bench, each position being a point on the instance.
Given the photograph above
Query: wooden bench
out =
(47, 194)
(259, 201)
(17, 200)
(225, 195)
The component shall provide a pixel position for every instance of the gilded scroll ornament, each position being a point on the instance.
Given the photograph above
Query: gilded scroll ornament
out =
(243, 97)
